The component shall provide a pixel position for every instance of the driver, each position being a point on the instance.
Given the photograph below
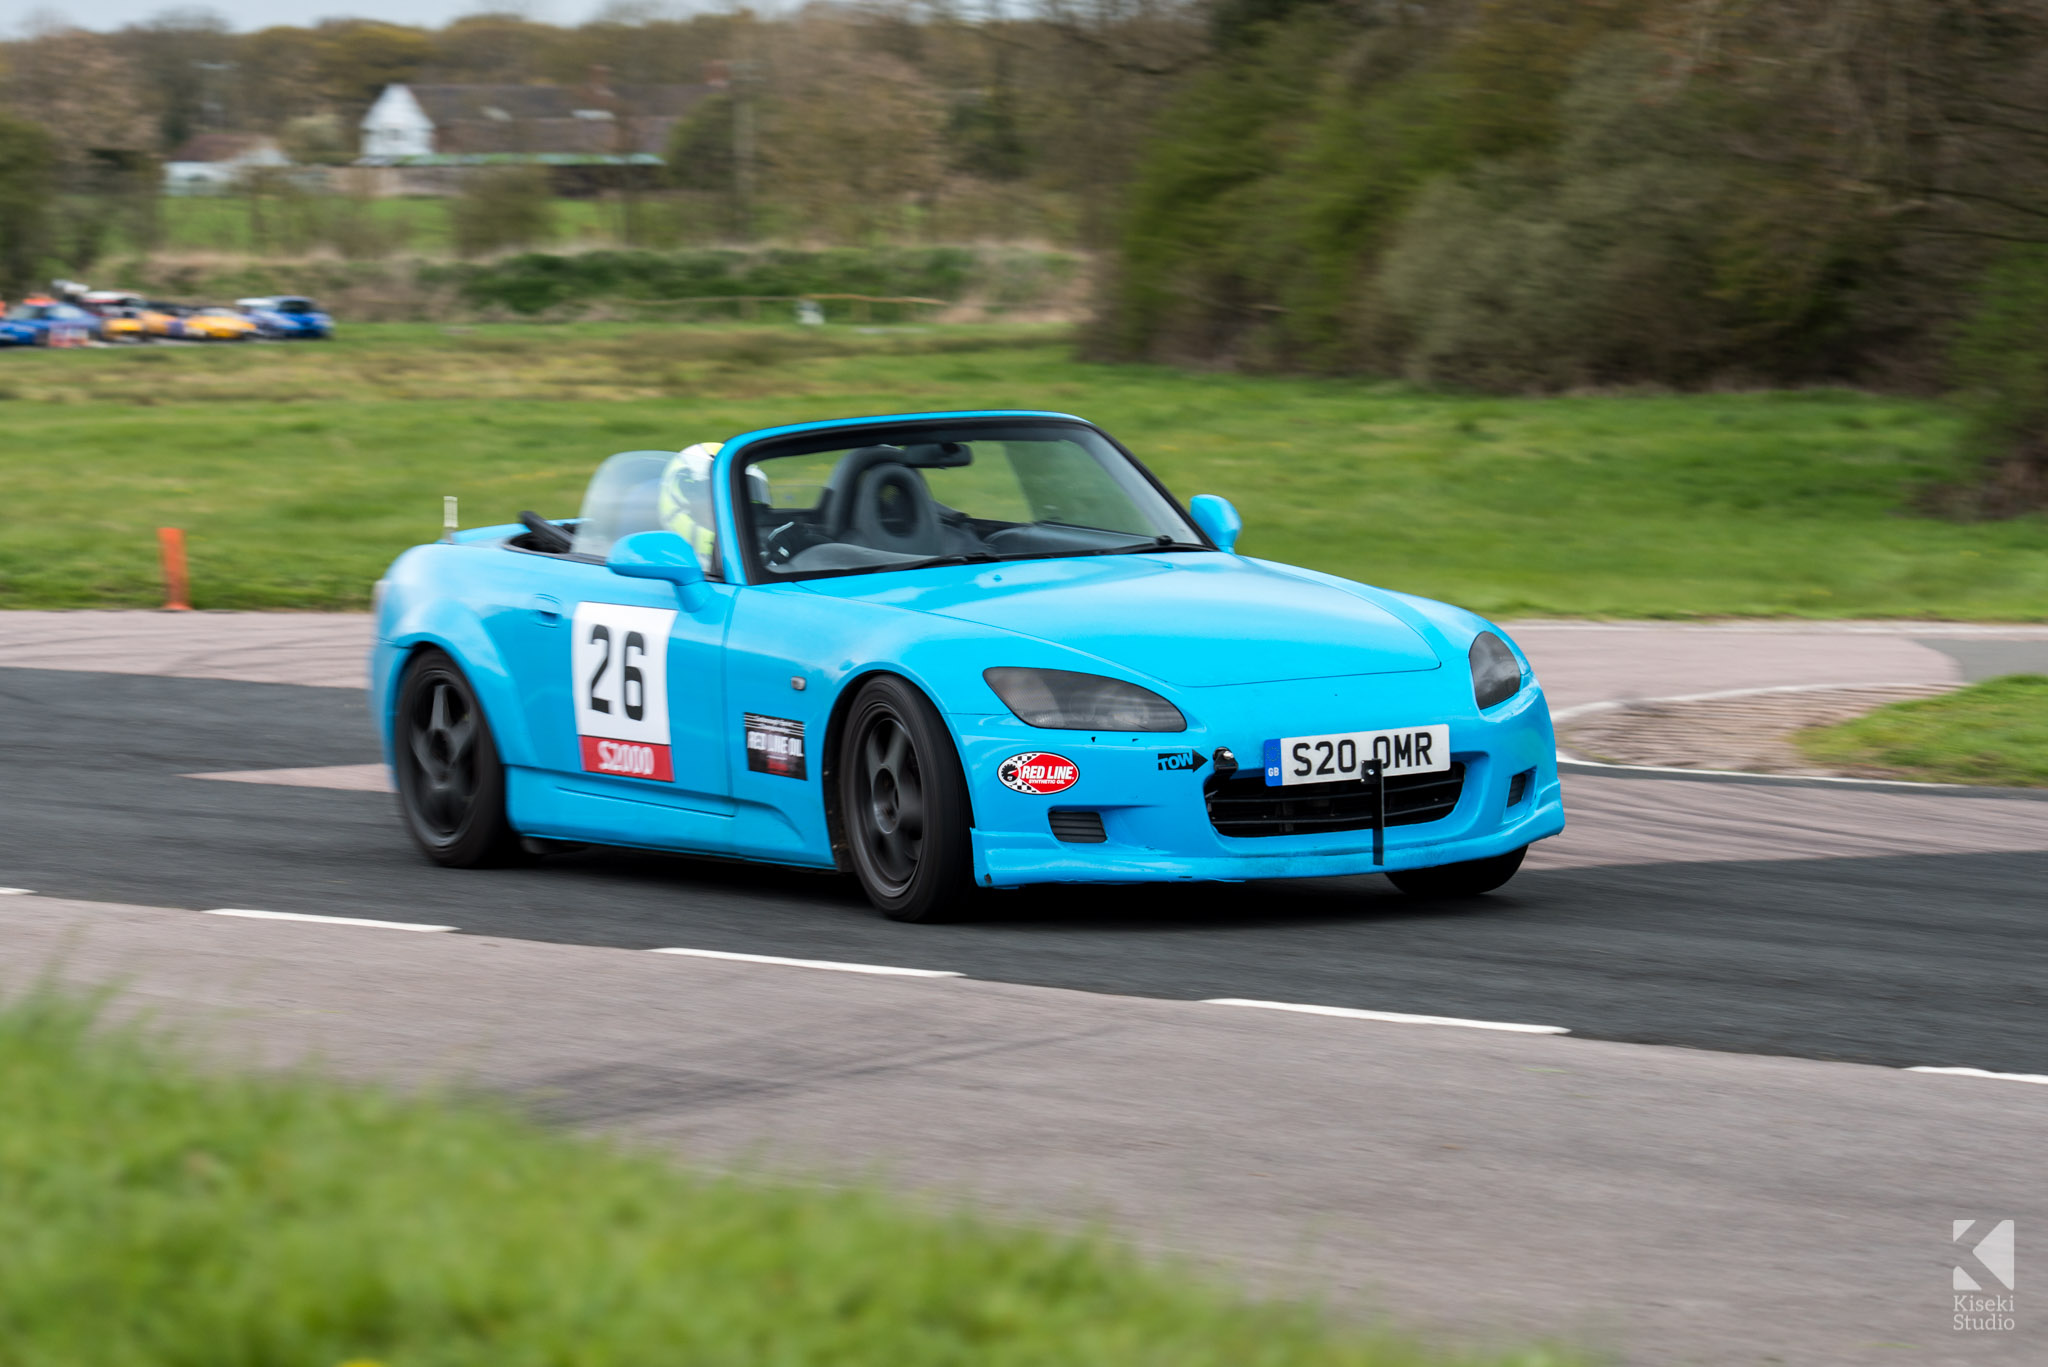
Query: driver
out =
(685, 498)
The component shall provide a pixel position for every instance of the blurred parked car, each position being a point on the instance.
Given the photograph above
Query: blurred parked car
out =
(123, 325)
(164, 320)
(52, 324)
(217, 324)
(120, 315)
(287, 317)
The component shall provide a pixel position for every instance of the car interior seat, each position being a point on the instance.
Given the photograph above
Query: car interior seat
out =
(875, 500)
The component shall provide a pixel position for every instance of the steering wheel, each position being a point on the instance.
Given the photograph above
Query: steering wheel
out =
(546, 535)
(791, 539)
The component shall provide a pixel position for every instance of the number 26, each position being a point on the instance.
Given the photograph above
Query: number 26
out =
(633, 684)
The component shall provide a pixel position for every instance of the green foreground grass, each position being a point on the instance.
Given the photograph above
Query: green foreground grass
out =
(299, 471)
(158, 1215)
(1993, 733)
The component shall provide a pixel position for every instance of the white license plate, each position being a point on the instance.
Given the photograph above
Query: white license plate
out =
(1335, 758)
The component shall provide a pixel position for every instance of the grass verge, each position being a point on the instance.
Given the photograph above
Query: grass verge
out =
(299, 471)
(1993, 733)
(159, 1215)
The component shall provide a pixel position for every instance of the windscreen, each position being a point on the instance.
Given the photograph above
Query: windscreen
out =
(933, 495)
(622, 498)
(647, 491)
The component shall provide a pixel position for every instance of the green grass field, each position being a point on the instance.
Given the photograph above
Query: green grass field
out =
(1993, 733)
(230, 224)
(160, 1215)
(299, 471)
(234, 225)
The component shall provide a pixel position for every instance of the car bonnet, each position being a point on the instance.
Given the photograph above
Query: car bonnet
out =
(1195, 620)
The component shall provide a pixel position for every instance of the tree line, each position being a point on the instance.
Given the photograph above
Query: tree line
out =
(1541, 195)
(1508, 195)
(838, 122)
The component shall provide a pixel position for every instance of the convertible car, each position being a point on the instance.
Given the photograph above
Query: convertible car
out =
(944, 652)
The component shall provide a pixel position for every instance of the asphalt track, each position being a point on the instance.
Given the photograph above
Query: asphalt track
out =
(1919, 957)
(1698, 1204)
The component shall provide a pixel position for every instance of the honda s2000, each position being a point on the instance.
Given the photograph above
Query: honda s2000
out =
(944, 652)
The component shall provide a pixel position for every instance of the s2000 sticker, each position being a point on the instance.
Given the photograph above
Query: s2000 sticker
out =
(619, 681)
(775, 745)
(626, 758)
(1034, 772)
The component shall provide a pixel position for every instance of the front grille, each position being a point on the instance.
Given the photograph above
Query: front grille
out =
(1077, 827)
(1243, 805)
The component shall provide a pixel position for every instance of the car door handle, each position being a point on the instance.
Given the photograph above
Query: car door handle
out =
(549, 610)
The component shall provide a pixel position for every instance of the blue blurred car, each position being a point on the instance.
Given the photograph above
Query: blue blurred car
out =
(287, 317)
(48, 324)
(944, 652)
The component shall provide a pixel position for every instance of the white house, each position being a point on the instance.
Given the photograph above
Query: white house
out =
(397, 126)
(563, 125)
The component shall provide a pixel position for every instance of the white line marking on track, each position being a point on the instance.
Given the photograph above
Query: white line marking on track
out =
(830, 964)
(1586, 709)
(1566, 757)
(16, 892)
(1396, 1017)
(1980, 1072)
(254, 915)
(357, 778)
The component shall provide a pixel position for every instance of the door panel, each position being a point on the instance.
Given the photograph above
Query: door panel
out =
(624, 692)
(777, 635)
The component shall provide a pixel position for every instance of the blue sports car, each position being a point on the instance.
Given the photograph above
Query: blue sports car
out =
(48, 324)
(287, 317)
(945, 652)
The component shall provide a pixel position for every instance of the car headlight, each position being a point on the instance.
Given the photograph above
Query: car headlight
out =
(1066, 701)
(1496, 673)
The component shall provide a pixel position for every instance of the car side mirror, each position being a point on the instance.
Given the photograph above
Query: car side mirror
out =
(660, 555)
(1217, 518)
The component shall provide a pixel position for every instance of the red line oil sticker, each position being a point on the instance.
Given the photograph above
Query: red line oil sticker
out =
(775, 745)
(1038, 773)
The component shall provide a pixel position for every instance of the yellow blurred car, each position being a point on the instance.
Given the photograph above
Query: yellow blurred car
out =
(164, 320)
(217, 324)
(125, 326)
(120, 315)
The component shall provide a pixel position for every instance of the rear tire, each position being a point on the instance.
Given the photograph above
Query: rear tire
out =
(451, 784)
(1469, 879)
(903, 804)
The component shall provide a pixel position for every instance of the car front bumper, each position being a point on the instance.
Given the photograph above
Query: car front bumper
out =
(1155, 817)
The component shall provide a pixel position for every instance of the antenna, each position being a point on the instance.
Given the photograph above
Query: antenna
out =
(448, 521)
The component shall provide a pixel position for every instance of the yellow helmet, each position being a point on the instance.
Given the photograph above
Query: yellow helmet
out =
(685, 500)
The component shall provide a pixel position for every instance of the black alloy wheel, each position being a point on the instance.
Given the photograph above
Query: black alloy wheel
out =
(451, 784)
(903, 803)
(1469, 879)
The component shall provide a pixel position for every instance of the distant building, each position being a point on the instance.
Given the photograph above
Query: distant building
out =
(468, 125)
(210, 163)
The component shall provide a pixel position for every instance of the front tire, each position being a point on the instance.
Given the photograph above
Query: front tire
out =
(451, 783)
(903, 804)
(1469, 879)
